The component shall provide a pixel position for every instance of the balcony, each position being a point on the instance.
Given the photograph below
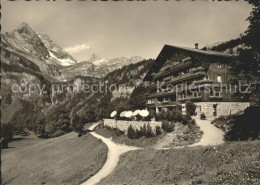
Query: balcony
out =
(215, 98)
(204, 81)
(191, 98)
(185, 77)
(163, 104)
(159, 94)
(172, 69)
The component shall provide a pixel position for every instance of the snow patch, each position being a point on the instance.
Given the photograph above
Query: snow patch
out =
(63, 62)
(100, 61)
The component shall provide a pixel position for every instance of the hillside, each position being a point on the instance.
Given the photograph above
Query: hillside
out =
(230, 163)
(64, 160)
(44, 70)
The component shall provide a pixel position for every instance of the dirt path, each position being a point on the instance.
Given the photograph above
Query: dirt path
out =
(211, 136)
(114, 152)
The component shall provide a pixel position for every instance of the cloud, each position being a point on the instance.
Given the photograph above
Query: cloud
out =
(76, 48)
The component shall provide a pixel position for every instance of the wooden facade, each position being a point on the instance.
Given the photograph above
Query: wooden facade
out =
(181, 74)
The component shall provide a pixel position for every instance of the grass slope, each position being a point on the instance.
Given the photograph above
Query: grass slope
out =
(230, 163)
(67, 159)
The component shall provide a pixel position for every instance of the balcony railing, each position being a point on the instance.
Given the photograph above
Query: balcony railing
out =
(173, 68)
(181, 78)
(190, 98)
(185, 77)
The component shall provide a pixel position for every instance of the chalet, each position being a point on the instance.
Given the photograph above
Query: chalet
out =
(182, 74)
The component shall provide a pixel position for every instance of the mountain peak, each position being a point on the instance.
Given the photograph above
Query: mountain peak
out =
(94, 57)
(25, 28)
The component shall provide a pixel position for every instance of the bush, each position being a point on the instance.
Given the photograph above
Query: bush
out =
(55, 124)
(7, 131)
(149, 132)
(131, 132)
(152, 113)
(186, 119)
(202, 116)
(168, 126)
(158, 130)
(139, 133)
(245, 126)
(147, 118)
(118, 132)
(177, 116)
(163, 115)
(191, 123)
(190, 108)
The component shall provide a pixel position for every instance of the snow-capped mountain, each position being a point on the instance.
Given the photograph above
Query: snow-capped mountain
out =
(57, 54)
(40, 51)
(96, 60)
(26, 41)
(97, 67)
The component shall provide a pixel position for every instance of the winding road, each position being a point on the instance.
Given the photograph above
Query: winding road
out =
(211, 136)
(114, 152)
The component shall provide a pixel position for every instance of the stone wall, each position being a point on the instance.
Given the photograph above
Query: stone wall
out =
(123, 125)
(223, 108)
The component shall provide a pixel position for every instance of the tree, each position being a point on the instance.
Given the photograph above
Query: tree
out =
(137, 99)
(158, 130)
(190, 108)
(245, 126)
(246, 69)
(131, 132)
(40, 127)
(149, 132)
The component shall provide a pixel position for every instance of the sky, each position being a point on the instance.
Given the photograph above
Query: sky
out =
(115, 29)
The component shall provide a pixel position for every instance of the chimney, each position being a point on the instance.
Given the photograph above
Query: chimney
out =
(196, 45)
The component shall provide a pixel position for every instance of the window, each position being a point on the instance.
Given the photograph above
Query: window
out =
(211, 92)
(219, 79)
(217, 94)
(219, 65)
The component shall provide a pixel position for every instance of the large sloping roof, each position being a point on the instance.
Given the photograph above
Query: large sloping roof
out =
(168, 50)
(205, 52)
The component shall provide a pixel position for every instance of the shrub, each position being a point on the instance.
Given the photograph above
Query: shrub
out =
(77, 123)
(40, 127)
(191, 123)
(152, 113)
(149, 132)
(190, 108)
(7, 133)
(168, 126)
(143, 130)
(186, 119)
(131, 132)
(138, 117)
(139, 133)
(177, 116)
(158, 130)
(163, 115)
(245, 126)
(147, 118)
(202, 116)
(118, 132)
